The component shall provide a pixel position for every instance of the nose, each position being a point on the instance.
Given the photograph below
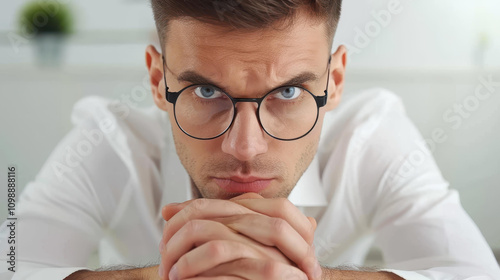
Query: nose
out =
(245, 139)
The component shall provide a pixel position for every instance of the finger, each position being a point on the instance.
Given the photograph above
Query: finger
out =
(210, 255)
(171, 209)
(201, 209)
(307, 230)
(284, 209)
(257, 269)
(195, 233)
(167, 212)
(313, 222)
(276, 232)
(249, 195)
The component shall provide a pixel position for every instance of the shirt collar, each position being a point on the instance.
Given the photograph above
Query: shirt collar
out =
(309, 191)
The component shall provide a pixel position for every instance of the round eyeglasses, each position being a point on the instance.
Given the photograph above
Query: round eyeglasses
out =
(205, 112)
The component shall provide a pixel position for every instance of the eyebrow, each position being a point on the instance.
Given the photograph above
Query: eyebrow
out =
(195, 78)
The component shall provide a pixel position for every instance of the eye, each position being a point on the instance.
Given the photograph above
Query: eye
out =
(207, 92)
(288, 93)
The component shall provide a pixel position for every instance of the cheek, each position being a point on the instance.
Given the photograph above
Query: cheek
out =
(309, 144)
(296, 155)
(192, 152)
(169, 108)
(297, 148)
(314, 135)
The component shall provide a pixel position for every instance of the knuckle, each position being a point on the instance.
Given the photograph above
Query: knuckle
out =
(278, 226)
(198, 205)
(193, 226)
(271, 270)
(193, 210)
(240, 210)
(216, 249)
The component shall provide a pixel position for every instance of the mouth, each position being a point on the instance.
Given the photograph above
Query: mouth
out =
(237, 184)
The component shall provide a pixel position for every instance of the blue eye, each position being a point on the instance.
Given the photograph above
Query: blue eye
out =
(207, 92)
(289, 93)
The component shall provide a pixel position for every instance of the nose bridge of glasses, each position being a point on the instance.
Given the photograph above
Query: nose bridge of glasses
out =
(238, 100)
(247, 100)
(242, 117)
(243, 101)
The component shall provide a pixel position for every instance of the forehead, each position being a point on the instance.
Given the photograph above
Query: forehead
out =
(274, 51)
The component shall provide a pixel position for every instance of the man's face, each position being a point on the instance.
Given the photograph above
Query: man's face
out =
(247, 65)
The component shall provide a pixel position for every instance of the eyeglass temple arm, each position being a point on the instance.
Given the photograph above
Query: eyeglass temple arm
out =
(321, 100)
(164, 74)
(170, 96)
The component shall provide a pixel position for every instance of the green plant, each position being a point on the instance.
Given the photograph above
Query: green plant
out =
(45, 16)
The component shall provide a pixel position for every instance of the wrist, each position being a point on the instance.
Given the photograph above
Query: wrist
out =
(146, 273)
(329, 273)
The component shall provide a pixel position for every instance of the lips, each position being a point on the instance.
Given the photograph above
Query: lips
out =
(243, 184)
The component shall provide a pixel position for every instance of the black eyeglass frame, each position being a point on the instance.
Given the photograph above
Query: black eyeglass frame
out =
(320, 102)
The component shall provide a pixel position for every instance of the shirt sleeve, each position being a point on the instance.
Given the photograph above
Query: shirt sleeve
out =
(419, 223)
(62, 213)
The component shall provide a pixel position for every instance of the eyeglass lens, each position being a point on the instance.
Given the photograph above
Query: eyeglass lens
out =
(204, 111)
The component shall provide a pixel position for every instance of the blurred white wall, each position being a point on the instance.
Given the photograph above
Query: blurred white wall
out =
(408, 34)
(431, 53)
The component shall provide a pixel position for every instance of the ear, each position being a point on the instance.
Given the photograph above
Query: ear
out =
(337, 77)
(154, 63)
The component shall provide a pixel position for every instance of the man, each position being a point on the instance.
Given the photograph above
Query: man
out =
(246, 87)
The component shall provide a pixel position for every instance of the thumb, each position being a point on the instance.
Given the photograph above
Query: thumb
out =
(169, 210)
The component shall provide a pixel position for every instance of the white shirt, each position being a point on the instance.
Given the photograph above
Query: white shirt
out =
(370, 183)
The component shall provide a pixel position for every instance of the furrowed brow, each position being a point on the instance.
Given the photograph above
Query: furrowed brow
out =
(195, 78)
(302, 78)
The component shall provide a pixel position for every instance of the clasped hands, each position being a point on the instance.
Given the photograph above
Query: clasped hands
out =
(247, 237)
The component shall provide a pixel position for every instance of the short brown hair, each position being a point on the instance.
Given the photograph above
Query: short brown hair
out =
(244, 14)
